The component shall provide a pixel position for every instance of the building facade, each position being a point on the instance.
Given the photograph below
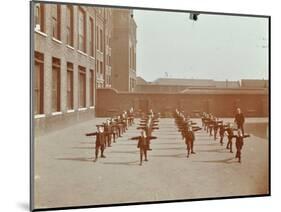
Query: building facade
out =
(72, 58)
(123, 50)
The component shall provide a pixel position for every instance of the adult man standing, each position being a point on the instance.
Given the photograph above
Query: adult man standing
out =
(239, 120)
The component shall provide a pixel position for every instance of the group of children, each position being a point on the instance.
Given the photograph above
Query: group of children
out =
(148, 123)
(187, 129)
(214, 126)
(114, 128)
(110, 130)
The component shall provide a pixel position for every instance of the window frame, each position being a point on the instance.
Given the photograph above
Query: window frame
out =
(39, 59)
(70, 88)
(82, 78)
(70, 25)
(56, 69)
(83, 35)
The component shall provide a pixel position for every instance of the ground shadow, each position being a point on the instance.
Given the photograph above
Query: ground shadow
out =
(169, 143)
(203, 144)
(125, 152)
(130, 163)
(180, 155)
(172, 148)
(227, 161)
(83, 147)
(77, 159)
(128, 144)
(213, 150)
(84, 142)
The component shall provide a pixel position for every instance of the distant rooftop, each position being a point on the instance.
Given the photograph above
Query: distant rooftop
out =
(205, 83)
(185, 82)
(254, 83)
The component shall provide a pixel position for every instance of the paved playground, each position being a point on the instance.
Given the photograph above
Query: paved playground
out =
(65, 174)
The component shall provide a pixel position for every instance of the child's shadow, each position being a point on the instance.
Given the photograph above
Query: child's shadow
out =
(227, 161)
(130, 163)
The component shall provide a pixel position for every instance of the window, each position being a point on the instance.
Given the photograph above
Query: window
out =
(69, 86)
(69, 25)
(97, 66)
(82, 31)
(92, 87)
(82, 87)
(98, 39)
(91, 37)
(101, 41)
(56, 85)
(39, 84)
(56, 20)
(101, 68)
(39, 15)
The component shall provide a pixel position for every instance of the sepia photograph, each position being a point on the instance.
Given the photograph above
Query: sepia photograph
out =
(143, 105)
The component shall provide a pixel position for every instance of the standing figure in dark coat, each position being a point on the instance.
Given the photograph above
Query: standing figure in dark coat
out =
(108, 132)
(100, 141)
(217, 123)
(229, 132)
(114, 129)
(143, 144)
(239, 143)
(189, 139)
(222, 129)
(240, 120)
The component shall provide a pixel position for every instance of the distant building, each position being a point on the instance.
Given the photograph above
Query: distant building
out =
(254, 83)
(172, 85)
(123, 50)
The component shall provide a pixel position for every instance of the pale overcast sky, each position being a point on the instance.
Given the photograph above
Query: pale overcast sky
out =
(215, 47)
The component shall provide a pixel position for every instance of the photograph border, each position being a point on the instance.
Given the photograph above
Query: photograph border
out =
(31, 117)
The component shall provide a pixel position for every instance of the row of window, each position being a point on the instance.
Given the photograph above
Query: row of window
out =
(56, 85)
(39, 17)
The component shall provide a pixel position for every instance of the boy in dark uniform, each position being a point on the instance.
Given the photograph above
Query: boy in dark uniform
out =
(143, 145)
(108, 132)
(229, 131)
(100, 141)
(217, 123)
(189, 139)
(148, 127)
(221, 129)
(239, 120)
(239, 143)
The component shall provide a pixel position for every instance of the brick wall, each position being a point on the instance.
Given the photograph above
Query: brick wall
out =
(254, 103)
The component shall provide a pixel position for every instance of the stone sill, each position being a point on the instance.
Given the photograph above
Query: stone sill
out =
(38, 116)
(70, 47)
(40, 33)
(83, 53)
(56, 40)
(56, 113)
(82, 109)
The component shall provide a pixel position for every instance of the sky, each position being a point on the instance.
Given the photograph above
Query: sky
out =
(215, 47)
